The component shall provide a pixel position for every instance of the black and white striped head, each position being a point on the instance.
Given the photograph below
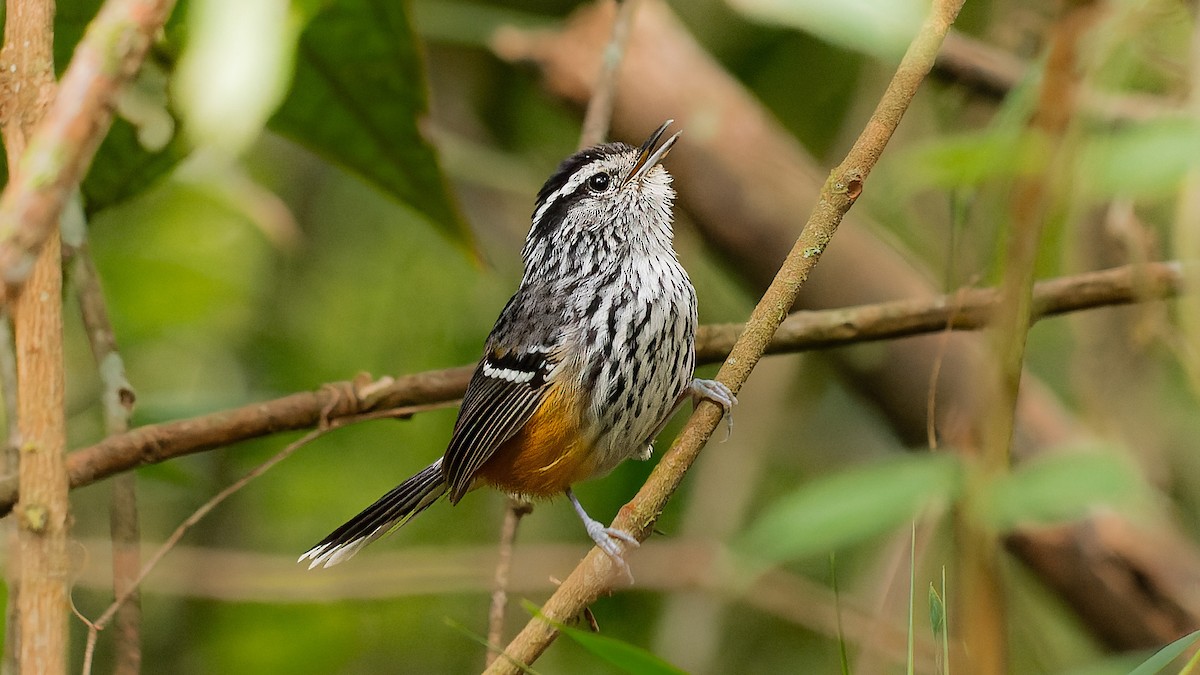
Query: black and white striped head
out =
(607, 194)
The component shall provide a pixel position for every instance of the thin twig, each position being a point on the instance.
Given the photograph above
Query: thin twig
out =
(517, 509)
(103, 620)
(968, 309)
(600, 105)
(592, 577)
(117, 399)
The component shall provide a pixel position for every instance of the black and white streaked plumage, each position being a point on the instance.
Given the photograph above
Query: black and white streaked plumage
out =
(586, 362)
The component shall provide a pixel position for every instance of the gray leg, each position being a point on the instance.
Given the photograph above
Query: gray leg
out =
(605, 537)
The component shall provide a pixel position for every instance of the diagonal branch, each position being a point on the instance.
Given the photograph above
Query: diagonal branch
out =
(802, 331)
(593, 575)
(63, 145)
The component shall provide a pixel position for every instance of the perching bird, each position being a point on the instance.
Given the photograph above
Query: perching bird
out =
(588, 360)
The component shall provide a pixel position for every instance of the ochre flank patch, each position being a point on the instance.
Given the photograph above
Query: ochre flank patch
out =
(547, 455)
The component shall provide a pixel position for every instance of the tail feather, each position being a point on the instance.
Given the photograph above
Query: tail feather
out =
(381, 518)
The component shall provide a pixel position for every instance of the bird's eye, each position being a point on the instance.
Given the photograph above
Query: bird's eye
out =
(599, 182)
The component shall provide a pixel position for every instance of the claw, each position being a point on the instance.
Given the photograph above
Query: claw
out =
(605, 537)
(711, 390)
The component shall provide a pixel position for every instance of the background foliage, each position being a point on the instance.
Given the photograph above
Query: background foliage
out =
(341, 241)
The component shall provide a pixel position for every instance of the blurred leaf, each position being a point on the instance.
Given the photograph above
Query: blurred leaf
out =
(969, 159)
(882, 28)
(234, 70)
(469, 23)
(1163, 657)
(1058, 487)
(357, 99)
(124, 168)
(851, 506)
(621, 654)
(1143, 159)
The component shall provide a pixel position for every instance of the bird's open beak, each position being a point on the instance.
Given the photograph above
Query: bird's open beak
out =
(648, 157)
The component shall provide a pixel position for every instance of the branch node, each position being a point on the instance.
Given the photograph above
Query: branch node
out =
(35, 517)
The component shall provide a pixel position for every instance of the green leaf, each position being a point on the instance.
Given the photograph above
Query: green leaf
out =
(851, 506)
(1163, 657)
(937, 611)
(1143, 159)
(1058, 487)
(357, 99)
(123, 168)
(969, 159)
(623, 655)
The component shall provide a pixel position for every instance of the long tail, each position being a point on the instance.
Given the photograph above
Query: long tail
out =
(388, 513)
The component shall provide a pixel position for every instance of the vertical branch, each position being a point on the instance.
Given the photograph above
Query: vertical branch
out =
(984, 627)
(517, 509)
(600, 106)
(27, 60)
(118, 399)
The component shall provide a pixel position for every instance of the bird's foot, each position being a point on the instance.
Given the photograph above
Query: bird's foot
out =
(717, 392)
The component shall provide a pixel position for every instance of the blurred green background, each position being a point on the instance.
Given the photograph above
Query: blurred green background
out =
(336, 242)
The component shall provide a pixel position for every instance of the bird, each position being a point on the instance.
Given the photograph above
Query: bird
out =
(587, 361)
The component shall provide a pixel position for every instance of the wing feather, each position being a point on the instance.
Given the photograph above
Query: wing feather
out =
(503, 394)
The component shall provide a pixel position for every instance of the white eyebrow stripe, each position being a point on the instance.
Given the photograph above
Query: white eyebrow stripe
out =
(573, 184)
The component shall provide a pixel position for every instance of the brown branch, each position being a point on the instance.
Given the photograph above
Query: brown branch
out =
(592, 577)
(517, 509)
(982, 612)
(27, 61)
(666, 566)
(63, 145)
(802, 331)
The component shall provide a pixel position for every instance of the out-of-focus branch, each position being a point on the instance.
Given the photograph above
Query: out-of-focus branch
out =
(983, 615)
(802, 331)
(599, 110)
(62, 147)
(668, 566)
(117, 398)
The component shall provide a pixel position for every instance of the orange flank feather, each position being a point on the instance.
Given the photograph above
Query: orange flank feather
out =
(546, 456)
